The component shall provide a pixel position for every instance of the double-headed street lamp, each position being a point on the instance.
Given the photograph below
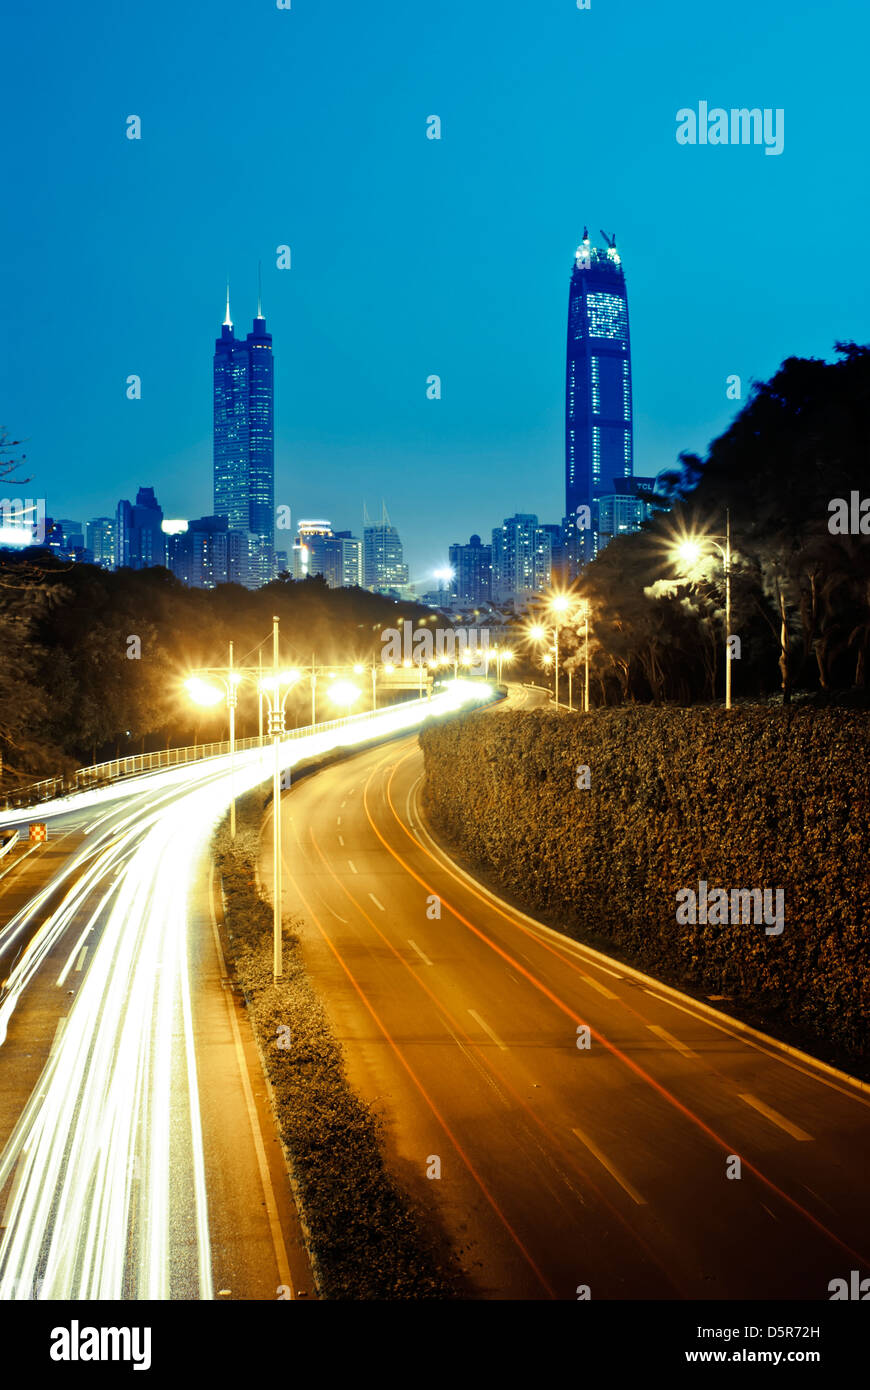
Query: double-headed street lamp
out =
(275, 689)
(204, 693)
(690, 551)
(559, 606)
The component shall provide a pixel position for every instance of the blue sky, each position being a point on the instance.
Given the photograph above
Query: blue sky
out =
(307, 127)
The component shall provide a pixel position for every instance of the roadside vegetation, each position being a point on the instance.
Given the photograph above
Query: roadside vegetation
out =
(761, 798)
(365, 1239)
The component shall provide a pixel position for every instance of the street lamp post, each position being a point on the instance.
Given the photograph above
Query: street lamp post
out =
(232, 701)
(691, 551)
(275, 689)
(276, 721)
(559, 605)
(203, 693)
(586, 656)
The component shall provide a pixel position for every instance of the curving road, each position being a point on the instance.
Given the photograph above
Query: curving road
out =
(139, 1160)
(546, 1166)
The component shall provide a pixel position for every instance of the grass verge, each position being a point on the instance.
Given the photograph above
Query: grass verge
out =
(365, 1238)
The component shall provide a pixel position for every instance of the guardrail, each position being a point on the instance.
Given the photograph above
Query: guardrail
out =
(99, 774)
(34, 793)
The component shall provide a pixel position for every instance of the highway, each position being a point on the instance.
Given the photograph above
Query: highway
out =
(552, 1170)
(139, 1159)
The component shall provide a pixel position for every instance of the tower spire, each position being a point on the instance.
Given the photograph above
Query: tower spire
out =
(228, 323)
(259, 289)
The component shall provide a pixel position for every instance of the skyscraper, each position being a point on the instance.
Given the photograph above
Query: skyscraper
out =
(100, 535)
(384, 568)
(598, 416)
(472, 572)
(140, 541)
(521, 558)
(244, 443)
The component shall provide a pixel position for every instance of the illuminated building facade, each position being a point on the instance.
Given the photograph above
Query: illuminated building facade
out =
(244, 443)
(598, 409)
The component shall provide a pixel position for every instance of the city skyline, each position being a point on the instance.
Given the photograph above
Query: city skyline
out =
(415, 257)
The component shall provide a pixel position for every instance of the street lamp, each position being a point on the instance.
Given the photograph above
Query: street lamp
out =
(276, 688)
(559, 605)
(344, 693)
(202, 693)
(692, 549)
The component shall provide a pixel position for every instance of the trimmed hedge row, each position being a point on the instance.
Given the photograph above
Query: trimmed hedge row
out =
(364, 1237)
(758, 798)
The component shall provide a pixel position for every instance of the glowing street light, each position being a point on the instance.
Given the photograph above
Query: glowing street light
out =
(276, 688)
(203, 692)
(690, 550)
(559, 605)
(344, 693)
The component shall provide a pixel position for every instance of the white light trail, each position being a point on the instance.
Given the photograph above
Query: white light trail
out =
(109, 1198)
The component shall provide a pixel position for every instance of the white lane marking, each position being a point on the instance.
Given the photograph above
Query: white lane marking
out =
(81, 960)
(343, 804)
(614, 1172)
(58, 1034)
(776, 1119)
(20, 1169)
(61, 979)
(353, 866)
(424, 958)
(20, 860)
(769, 1047)
(376, 903)
(486, 1028)
(338, 820)
(602, 989)
(259, 1148)
(606, 971)
(671, 1040)
(341, 840)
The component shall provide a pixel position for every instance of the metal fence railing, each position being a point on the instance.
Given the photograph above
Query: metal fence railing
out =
(100, 774)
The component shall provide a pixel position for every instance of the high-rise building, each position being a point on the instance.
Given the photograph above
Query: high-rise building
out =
(204, 552)
(521, 558)
(384, 567)
(139, 540)
(100, 538)
(625, 509)
(73, 533)
(351, 560)
(336, 555)
(244, 443)
(472, 573)
(598, 411)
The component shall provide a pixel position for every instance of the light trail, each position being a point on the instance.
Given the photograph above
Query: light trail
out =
(109, 1197)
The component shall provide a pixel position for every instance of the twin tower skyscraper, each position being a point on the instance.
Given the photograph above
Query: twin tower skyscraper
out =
(244, 444)
(598, 418)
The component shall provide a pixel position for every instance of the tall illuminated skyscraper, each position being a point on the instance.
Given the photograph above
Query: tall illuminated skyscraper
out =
(598, 415)
(244, 442)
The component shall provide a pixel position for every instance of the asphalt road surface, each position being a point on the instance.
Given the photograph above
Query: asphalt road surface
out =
(139, 1157)
(552, 1168)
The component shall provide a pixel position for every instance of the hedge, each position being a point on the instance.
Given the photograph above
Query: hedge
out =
(364, 1237)
(759, 798)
